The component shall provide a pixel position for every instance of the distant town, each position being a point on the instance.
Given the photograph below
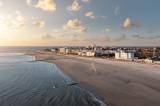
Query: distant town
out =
(148, 55)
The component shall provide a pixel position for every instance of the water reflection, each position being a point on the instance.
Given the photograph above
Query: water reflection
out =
(32, 84)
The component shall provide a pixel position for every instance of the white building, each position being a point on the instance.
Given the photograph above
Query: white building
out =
(86, 53)
(149, 61)
(79, 53)
(68, 51)
(105, 52)
(90, 53)
(53, 50)
(124, 55)
(64, 50)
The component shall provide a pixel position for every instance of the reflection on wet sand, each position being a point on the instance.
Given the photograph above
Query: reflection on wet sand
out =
(33, 84)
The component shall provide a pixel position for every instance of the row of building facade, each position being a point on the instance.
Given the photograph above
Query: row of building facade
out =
(117, 54)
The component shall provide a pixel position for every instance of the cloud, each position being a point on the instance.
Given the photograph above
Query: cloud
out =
(86, 1)
(20, 17)
(98, 40)
(39, 23)
(1, 3)
(75, 6)
(75, 25)
(103, 17)
(29, 2)
(102, 39)
(107, 30)
(90, 15)
(75, 39)
(21, 20)
(47, 37)
(128, 24)
(117, 10)
(12, 22)
(46, 5)
(137, 36)
(60, 33)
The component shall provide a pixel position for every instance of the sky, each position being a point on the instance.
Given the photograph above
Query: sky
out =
(79, 22)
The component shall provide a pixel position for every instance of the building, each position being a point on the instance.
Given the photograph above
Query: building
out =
(124, 55)
(68, 51)
(87, 53)
(64, 50)
(90, 53)
(54, 50)
(148, 61)
(156, 62)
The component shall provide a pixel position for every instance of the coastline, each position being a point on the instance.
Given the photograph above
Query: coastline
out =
(83, 85)
(39, 83)
(103, 78)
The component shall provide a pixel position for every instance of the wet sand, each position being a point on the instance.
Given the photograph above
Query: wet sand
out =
(122, 84)
(26, 82)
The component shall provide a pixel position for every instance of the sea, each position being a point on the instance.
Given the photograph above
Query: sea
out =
(27, 82)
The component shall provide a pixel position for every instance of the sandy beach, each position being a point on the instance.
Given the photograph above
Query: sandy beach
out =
(122, 84)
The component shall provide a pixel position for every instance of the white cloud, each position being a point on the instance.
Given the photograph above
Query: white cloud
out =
(86, 1)
(47, 37)
(46, 5)
(29, 2)
(75, 25)
(75, 6)
(103, 17)
(21, 20)
(90, 15)
(127, 23)
(1, 3)
(20, 17)
(12, 22)
(61, 34)
(39, 23)
(107, 30)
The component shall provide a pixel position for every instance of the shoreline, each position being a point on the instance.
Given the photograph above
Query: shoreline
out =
(82, 85)
(30, 82)
(102, 77)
